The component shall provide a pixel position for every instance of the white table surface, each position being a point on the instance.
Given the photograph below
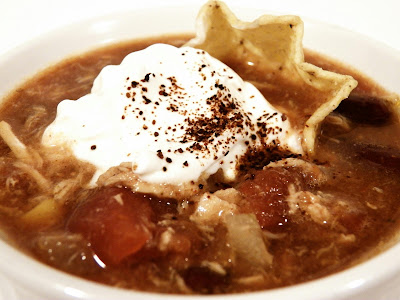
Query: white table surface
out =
(22, 20)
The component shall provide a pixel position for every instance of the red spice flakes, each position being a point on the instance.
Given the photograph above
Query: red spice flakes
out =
(160, 154)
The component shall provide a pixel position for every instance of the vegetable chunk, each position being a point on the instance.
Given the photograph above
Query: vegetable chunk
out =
(115, 221)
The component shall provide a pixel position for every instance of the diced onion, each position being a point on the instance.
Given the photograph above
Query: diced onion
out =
(245, 237)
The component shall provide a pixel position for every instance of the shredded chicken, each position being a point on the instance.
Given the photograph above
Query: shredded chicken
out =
(346, 238)
(33, 120)
(309, 203)
(66, 188)
(316, 174)
(214, 266)
(46, 210)
(17, 147)
(251, 280)
(42, 182)
(324, 250)
(339, 120)
(273, 236)
(230, 195)
(211, 209)
(180, 283)
(165, 239)
(123, 175)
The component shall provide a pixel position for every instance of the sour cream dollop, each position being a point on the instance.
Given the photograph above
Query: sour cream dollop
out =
(174, 113)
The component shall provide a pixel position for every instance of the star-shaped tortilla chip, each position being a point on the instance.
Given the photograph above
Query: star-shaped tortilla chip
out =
(268, 52)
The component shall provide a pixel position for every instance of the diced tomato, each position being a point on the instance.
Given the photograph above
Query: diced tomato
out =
(265, 195)
(177, 241)
(115, 221)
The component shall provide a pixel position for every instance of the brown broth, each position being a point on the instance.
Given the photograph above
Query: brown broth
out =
(363, 186)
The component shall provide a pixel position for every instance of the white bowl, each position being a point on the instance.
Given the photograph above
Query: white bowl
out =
(377, 278)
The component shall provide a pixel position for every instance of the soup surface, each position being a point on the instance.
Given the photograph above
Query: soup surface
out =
(286, 221)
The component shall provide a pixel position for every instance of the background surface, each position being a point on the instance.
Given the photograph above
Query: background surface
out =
(23, 20)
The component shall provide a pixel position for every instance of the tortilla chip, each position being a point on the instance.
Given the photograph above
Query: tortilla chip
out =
(268, 52)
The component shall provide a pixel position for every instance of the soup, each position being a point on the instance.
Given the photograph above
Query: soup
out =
(286, 219)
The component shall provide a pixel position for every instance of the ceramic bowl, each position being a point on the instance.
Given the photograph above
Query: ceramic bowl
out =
(22, 277)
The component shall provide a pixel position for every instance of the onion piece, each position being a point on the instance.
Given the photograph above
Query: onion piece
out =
(245, 237)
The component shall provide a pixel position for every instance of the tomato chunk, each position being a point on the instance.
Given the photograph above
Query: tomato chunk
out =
(116, 221)
(265, 195)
